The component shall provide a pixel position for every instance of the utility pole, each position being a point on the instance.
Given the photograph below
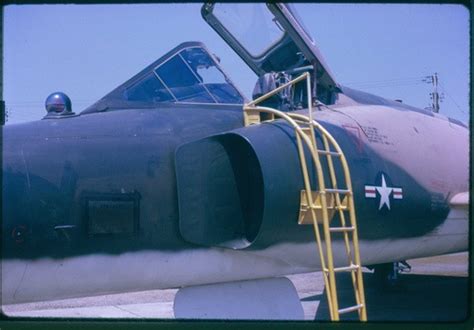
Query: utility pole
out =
(434, 96)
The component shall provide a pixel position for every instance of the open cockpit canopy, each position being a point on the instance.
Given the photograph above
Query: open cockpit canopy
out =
(187, 74)
(271, 38)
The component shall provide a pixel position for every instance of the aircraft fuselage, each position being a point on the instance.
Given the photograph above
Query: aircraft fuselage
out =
(90, 203)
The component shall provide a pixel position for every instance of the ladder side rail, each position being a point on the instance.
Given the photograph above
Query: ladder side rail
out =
(327, 238)
(332, 288)
(333, 178)
(338, 201)
(334, 185)
(360, 282)
(360, 285)
(311, 143)
(310, 100)
(338, 150)
(350, 259)
(330, 265)
(310, 203)
(327, 235)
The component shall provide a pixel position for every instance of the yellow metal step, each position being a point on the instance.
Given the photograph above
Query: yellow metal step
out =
(338, 191)
(330, 153)
(344, 269)
(350, 309)
(341, 229)
(305, 217)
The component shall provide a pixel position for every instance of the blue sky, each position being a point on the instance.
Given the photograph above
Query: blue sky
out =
(87, 50)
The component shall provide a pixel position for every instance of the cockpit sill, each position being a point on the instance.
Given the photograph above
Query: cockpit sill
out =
(124, 105)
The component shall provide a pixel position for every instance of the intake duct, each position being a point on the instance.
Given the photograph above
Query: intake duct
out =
(240, 188)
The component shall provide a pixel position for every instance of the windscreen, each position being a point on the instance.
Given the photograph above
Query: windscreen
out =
(191, 75)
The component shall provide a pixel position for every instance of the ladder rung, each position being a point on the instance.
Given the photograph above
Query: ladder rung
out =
(332, 153)
(340, 229)
(339, 191)
(317, 207)
(350, 309)
(343, 269)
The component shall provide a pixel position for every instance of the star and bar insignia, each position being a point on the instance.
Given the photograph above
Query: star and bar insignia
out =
(384, 192)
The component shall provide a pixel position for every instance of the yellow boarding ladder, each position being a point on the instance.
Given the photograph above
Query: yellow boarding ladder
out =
(321, 205)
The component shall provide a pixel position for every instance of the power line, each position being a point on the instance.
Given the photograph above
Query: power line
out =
(452, 99)
(386, 80)
(25, 103)
(395, 84)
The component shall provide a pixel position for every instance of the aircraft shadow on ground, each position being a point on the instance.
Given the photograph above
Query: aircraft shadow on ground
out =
(424, 298)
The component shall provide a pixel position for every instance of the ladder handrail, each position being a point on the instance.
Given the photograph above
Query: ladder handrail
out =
(310, 141)
(280, 88)
(348, 181)
(301, 135)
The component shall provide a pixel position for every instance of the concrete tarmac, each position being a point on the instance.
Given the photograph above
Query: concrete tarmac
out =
(436, 289)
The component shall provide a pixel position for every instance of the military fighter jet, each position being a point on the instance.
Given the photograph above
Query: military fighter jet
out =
(159, 184)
